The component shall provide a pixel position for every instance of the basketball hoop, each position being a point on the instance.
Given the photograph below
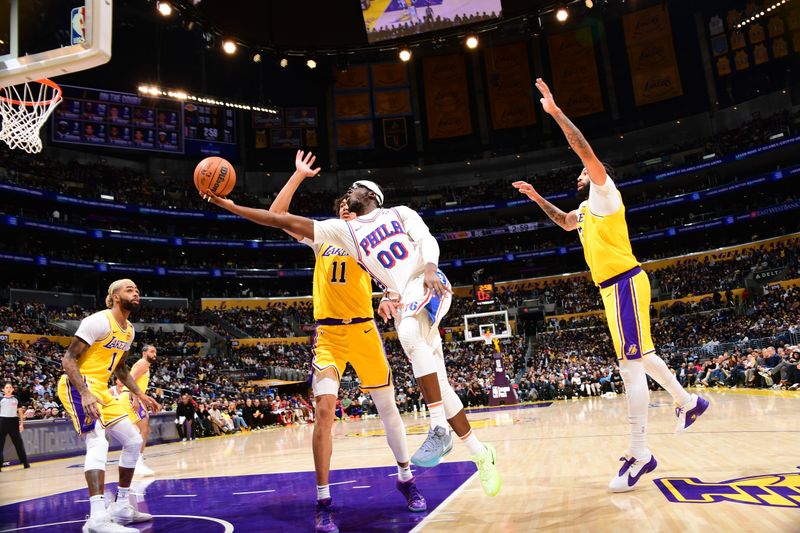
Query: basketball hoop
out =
(488, 337)
(25, 110)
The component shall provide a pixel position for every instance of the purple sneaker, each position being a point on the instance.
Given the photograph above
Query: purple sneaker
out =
(688, 415)
(325, 523)
(414, 498)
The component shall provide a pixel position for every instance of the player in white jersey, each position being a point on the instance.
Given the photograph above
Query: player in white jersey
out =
(397, 249)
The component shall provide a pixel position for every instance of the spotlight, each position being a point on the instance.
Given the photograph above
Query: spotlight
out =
(589, 4)
(472, 42)
(562, 14)
(405, 54)
(229, 46)
(284, 62)
(311, 64)
(165, 8)
(257, 57)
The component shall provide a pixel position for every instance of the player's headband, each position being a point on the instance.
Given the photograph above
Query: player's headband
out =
(372, 186)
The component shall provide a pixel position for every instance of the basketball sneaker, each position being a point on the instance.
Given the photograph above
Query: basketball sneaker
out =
(142, 469)
(631, 472)
(325, 523)
(688, 414)
(414, 498)
(125, 513)
(438, 444)
(486, 461)
(105, 524)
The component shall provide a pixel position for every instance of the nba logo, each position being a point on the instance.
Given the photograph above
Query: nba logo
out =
(78, 25)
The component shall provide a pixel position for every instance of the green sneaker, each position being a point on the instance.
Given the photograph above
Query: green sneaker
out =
(487, 470)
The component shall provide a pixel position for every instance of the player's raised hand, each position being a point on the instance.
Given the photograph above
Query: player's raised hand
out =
(149, 403)
(91, 404)
(389, 310)
(527, 189)
(547, 100)
(216, 200)
(304, 163)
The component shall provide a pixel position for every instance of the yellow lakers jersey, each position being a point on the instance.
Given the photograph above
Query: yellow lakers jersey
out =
(342, 289)
(144, 380)
(606, 245)
(101, 358)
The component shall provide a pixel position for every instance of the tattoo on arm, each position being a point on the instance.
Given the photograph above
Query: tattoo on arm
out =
(574, 136)
(556, 215)
(124, 375)
(70, 363)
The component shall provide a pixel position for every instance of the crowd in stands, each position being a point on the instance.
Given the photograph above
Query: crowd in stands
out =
(423, 19)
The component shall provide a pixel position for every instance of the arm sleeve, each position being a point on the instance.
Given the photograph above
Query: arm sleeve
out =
(420, 234)
(336, 232)
(93, 328)
(604, 199)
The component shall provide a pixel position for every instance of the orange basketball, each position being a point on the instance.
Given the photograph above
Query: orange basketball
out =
(216, 174)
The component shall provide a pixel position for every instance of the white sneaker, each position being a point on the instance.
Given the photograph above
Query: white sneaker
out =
(125, 513)
(105, 524)
(142, 469)
(632, 470)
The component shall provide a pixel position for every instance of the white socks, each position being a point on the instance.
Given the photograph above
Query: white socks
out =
(657, 369)
(122, 494)
(473, 444)
(404, 473)
(638, 398)
(436, 411)
(323, 492)
(97, 505)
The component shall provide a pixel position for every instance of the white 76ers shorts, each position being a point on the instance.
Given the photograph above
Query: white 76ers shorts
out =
(417, 299)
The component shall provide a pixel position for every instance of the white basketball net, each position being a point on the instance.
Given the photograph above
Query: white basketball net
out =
(24, 109)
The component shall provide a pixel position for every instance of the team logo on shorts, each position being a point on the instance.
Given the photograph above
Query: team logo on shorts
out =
(632, 350)
(770, 490)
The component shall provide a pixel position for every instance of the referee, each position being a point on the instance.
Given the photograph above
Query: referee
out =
(11, 423)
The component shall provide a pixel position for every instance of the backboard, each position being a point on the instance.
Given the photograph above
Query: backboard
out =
(47, 38)
(478, 325)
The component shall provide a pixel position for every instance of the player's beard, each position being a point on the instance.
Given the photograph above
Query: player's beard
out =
(128, 305)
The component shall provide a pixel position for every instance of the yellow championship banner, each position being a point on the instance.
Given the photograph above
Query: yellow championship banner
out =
(350, 106)
(576, 84)
(392, 103)
(509, 86)
(355, 77)
(354, 135)
(447, 96)
(389, 75)
(651, 53)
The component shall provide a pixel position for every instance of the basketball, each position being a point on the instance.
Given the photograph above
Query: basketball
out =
(215, 174)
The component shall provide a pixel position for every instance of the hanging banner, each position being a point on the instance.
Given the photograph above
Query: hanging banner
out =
(510, 90)
(349, 106)
(392, 103)
(386, 75)
(355, 77)
(651, 52)
(354, 135)
(576, 84)
(447, 96)
(395, 133)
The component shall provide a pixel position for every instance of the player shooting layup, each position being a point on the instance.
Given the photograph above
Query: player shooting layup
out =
(346, 332)
(397, 249)
(625, 289)
(97, 350)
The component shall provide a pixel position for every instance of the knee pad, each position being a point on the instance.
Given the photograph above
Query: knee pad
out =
(409, 331)
(96, 450)
(129, 437)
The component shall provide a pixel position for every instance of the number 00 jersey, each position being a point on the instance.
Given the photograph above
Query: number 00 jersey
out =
(342, 289)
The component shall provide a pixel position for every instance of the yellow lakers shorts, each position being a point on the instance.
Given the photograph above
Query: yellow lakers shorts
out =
(627, 303)
(138, 412)
(113, 410)
(358, 344)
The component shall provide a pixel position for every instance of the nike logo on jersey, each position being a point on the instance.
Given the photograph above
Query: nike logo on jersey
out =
(380, 234)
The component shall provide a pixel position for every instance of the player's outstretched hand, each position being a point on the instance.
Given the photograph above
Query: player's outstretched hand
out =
(547, 100)
(149, 403)
(90, 404)
(527, 189)
(389, 310)
(217, 200)
(304, 162)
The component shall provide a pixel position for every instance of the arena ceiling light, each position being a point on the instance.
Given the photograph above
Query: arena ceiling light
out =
(757, 15)
(257, 57)
(562, 14)
(311, 64)
(472, 42)
(589, 4)
(229, 46)
(283, 62)
(405, 54)
(165, 8)
(160, 92)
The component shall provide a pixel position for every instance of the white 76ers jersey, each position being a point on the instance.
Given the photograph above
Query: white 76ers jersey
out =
(386, 242)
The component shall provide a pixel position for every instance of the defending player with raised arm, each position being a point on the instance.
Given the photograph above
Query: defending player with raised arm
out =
(625, 290)
(346, 333)
(397, 249)
(98, 349)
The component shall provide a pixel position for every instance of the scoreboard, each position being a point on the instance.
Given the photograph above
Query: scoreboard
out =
(209, 123)
(484, 293)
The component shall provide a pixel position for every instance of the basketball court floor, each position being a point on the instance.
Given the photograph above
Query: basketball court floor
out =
(738, 469)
